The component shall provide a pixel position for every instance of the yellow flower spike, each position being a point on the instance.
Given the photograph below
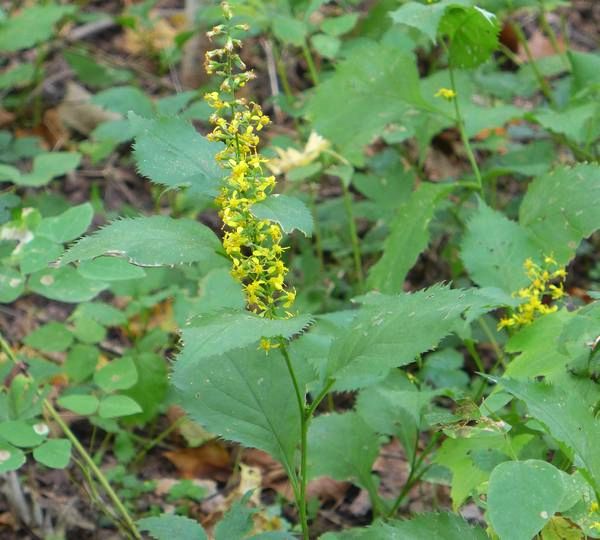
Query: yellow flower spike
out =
(446, 93)
(539, 289)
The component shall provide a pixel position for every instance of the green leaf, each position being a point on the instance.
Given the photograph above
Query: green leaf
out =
(344, 447)
(46, 166)
(289, 212)
(124, 99)
(289, 30)
(110, 269)
(11, 458)
(326, 46)
(425, 18)
(380, 86)
(473, 34)
(88, 330)
(171, 526)
(102, 313)
(214, 334)
(429, 525)
(408, 237)
(237, 521)
(31, 26)
(84, 404)
(55, 453)
(12, 285)
(18, 76)
(52, 337)
(495, 248)
(338, 26)
(392, 330)
(68, 226)
(171, 152)
(81, 362)
(93, 73)
(148, 241)
(65, 285)
(116, 406)
(522, 497)
(567, 416)
(560, 209)
(37, 254)
(244, 396)
(151, 387)
(20, 433)
(579, 123)
(119, 374)
(586, 69)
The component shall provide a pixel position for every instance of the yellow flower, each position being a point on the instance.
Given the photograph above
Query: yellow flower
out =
(446, 93)
(536, 292)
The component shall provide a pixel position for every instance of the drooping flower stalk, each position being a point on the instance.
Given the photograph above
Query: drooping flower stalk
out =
(254, 245)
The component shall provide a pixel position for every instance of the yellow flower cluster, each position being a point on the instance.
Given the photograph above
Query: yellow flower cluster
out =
(254, 245)
(541, 286)
(446, 93)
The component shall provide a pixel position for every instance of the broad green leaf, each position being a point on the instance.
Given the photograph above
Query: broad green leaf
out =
(244, 396)
(84, 404)
(18, 76)
(495, 248)
(148, 241)
(11, 458)
(12, 285)
(423, 17)
(289, 30)
(522, 497)
(81, 362)
(566, 414)
(214, 334)
(338, 26)
(380, 86)
(172, 105)
(392, 330)
(529, 159)
(560, 209)
(46, 166)
(94, 73)
(457, 455)
(65, 285)
(88, 330)
(55, 453)
(237, 521)
(110, 269)
(31, 26)
(102, 313)
(20, 433)
(52, 337)
(395, 407)
(289, 212)
(124, 99)
(68, 226)
(171, 152)
(172, 526)
(342, 446)
(444, 369)
(429, 525)
(37, 254)
(326, 46)
(586, 69)
(409, 236)
(119, 374)
(151, 387)
(539, 345)
(116, 406)
(473, 34)
(579, 123)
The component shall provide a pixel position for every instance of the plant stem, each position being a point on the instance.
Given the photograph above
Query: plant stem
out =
(300, 492)
(552, 35)
(82, 452)
(311, 64)
(463, 134)
(353, 236)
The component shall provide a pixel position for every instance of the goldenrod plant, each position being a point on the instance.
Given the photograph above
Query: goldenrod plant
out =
(384, 250)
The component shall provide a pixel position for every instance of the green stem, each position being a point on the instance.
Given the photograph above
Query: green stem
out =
(552, 35)
(316, 227)
(353, 236)
(157, 440)
(300, 492)
(311, 64)
(463, 134)
(544, 86)
(82, 452)
(282, 72)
